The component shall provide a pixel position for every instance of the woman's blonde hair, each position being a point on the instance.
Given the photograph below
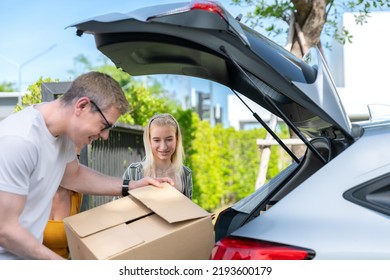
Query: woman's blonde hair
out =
(177, 157)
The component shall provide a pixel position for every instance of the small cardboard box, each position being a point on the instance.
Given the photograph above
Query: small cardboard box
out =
(150, 223)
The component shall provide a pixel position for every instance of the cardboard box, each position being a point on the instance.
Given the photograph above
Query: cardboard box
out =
(150, 223)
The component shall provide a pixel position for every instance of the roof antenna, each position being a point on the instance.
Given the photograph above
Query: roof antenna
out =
(239, 17)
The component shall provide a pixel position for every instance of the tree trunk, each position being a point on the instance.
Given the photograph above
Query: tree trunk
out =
(309, 18)
(308, 22)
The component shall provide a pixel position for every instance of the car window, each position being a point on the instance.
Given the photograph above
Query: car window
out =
(374, 194)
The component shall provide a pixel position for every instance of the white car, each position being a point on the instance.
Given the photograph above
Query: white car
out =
(332, 203)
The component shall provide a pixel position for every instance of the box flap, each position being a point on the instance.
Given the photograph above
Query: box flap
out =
(107, 215)
(176, 207)
(113, 241)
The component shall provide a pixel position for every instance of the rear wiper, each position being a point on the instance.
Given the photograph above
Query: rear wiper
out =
(283, 116)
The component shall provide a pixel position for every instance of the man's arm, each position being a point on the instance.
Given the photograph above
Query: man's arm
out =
(83, 179)
(15, 238)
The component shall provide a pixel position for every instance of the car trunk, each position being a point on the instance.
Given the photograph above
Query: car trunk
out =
(201, 39)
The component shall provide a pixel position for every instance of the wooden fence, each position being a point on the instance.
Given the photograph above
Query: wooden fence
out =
(112, 157)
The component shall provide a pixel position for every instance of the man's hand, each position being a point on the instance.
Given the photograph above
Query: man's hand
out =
(146, 181)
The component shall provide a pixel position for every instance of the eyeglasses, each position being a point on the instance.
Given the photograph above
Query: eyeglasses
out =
(108, 125)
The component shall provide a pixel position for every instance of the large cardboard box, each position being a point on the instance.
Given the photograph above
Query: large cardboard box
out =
(150, 223)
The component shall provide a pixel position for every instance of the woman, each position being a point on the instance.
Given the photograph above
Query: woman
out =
(65, 203)
(164, 154)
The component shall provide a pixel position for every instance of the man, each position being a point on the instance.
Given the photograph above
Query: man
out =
(37, 155)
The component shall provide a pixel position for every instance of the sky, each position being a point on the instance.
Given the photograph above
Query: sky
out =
(35, 41)
(360, 68)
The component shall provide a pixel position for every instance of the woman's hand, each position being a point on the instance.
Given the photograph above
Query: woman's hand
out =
(146, 181)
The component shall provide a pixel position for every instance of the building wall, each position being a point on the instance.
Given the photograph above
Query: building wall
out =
(359, 68)
(240, 117)
(8, 101)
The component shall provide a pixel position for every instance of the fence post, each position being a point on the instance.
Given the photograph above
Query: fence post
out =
(265, 155)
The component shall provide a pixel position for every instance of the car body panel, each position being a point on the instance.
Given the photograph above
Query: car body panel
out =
(323, 92)
(316, 215)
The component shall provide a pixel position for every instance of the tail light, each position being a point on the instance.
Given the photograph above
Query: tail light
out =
(204, 5)
(236, 248)
(207, 6)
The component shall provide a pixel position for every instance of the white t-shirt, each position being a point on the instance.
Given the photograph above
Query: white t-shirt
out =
(32, 164)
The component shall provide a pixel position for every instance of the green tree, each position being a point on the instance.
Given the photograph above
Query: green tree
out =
(145, 102)
(207, 166)
(279, 158)
(188, 121)
(246, 159)
(306, 20)
(225, 162)
(34, 96)
(7, 87)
